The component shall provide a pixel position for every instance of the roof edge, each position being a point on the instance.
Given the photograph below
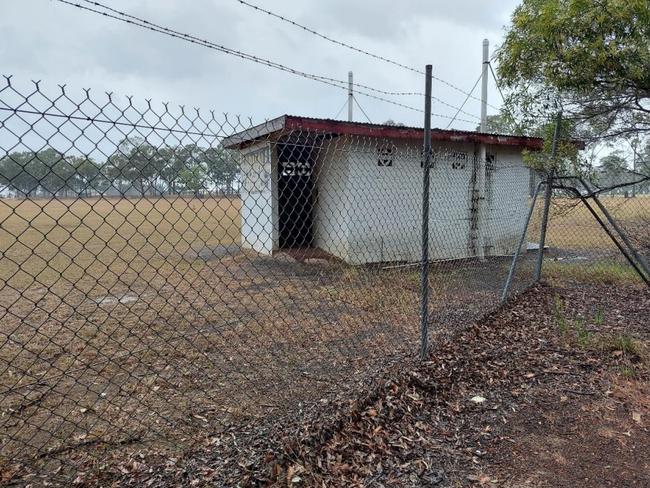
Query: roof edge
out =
(401, 132)
(293, 122)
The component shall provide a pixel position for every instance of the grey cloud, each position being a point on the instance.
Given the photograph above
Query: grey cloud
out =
(60, 44)
(384, 19)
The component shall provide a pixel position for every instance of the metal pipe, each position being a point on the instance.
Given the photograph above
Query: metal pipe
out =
(548, 193)
(350, 95)
(424, 273)
(484, 84)
(513, 265)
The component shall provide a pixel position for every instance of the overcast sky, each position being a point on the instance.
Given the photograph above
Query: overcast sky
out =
(56, 43)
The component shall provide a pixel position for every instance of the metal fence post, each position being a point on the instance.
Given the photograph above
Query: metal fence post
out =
(548, 193)
(522, 240)
(424, 311)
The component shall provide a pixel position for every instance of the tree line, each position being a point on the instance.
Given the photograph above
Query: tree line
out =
(135, 168)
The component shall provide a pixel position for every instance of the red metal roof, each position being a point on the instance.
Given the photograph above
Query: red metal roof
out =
(401, 132)
(338, 127)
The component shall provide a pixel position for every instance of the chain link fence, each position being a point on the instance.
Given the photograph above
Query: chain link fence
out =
(167, 272)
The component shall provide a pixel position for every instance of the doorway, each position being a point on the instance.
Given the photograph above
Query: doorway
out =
(295, 193)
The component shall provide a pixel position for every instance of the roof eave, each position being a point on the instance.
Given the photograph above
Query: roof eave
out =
(293, 123)
(248, 136)
(398, 132)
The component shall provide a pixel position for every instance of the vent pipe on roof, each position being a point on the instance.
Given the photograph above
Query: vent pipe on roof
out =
(350, 96)
(484, 84)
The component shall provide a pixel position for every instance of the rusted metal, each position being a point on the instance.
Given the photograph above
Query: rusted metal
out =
(338, 127)
(397, 132)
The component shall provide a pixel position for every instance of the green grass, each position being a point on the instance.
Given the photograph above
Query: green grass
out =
(606, 272)
(599, 317)
(576, 330)
(627, 372)
(558, 313)
(627, 345)
(584, 336)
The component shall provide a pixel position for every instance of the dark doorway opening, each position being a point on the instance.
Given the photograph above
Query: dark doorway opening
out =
(296, 193)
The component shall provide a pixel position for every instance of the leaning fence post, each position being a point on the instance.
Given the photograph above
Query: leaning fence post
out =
(522, 240)
(548, 193)
(424, 266)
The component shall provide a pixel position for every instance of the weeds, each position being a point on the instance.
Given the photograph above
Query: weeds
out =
(558, 314)
(627, 346)
(624, 345)
(627, 372)
(599, 317)
(584, 336)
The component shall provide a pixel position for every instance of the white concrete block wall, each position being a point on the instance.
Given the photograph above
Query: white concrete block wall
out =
(385, 220)
(507, 200)
(450, 205)
(385, 216)
(257, 201)
(333, 200)
(366, 213)
(379, 208)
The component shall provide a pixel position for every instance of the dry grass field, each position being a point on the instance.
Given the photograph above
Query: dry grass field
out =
(582, 250)
(87, 240)
(130, 320)
(572, 227)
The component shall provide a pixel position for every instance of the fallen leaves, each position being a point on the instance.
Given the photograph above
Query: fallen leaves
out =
(421, 424)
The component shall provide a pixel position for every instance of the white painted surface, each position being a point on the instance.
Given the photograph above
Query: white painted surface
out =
(507, 201)
(385, 217)
(378, 209)
(257, 202)
(333, 200)
(366, 213)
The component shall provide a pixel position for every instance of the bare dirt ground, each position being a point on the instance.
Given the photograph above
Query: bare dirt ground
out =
(591, 426)
(553, 391)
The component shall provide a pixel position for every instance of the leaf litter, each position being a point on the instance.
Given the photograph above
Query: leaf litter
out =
(454, 420)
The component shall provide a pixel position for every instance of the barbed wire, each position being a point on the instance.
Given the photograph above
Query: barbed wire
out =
(361, 51)
(136, 309)
(341, 84)
(330, 39)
